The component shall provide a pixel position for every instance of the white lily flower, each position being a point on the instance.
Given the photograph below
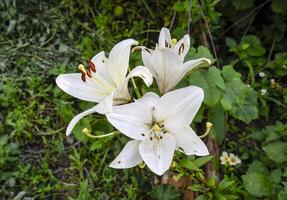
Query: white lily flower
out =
(166, 61)
(158, 126)
(105, 82)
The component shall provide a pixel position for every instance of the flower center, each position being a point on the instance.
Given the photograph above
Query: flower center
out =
(156, 132)
(87, 72)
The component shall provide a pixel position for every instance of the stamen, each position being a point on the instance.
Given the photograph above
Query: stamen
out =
(83, 77)
(92, 66)
(88, 72)
(181, 49)
(166, 43)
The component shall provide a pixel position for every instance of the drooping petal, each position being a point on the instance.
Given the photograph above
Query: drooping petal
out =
(122, 94)
(182, 47)
(129, 156)
(119, 60)
(191, 64)
(158, 154)
(106, 105)
(133, 119)
(188, 141)
(74, 86)
(164, 39)
(179, 107)
(149, 99)
(77, 118)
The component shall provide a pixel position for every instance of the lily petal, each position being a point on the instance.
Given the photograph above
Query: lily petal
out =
(188, 141)
(149, 99)
(189, 65)
(164, 39)
(182, 47)
(129, 156)
(77, 118)
(119, 60)
(179, 106)
(158, 154)
(133, 119)
(122, 95)
(74, 86)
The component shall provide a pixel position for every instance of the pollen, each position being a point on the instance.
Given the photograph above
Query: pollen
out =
(156, 128)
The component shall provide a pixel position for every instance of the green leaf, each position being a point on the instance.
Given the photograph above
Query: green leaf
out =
(276, 176)
(166, 192)
(230, 42)
(211, 82)
(216, 117)
(224, 184)
(257, 167)
(201, 52)
(257, 184)
(239, 99)
(78, 130)
(276, 151)
(203, 160)
(242, 4)
(188, 164)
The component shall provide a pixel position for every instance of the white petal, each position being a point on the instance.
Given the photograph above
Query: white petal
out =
(102, 70)
(129, 156)
(191, 64)
(182, 46)
(158, 154)
(188, 141)
(106, 105)
(122, 92)
(133, 119)
(150, 99)
(77, 118)
(74, 86)
(179, 107)
(164, 39)
(147, 60)
(119, 60)
(168, 67)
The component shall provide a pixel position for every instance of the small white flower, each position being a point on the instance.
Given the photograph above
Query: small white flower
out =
(263, 91)
(224, 158)
(158, 126)
(105, 82)
(261, 74)
(166, 62)
(233, 160)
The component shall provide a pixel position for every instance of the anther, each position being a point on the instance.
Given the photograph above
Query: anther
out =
(92, 66)
(181, 49)
(166, 43)
(88, 72)
(150, 138)
(83, 77)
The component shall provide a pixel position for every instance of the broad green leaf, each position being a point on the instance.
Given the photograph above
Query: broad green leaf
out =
(224, 184)
(276, 176)
(257, 167)
(276, 151)
(257, 185)
(230, 42)
(201, 52)
(78, 130)
(239, 99)
(211, 82)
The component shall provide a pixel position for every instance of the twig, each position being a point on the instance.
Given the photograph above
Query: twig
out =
(189, 16)
(210, 35)
(245, 17)
(172, 20)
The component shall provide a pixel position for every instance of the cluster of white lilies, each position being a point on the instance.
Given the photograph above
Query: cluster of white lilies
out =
(157, 125)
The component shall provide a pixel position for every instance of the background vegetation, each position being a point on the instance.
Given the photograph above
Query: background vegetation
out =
(41, 39)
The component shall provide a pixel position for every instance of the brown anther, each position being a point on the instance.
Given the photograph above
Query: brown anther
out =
(83, 77)
(88, 72)
(166, 43)
(150, 138)
(160, 137)
(92, 66)
(181, 49)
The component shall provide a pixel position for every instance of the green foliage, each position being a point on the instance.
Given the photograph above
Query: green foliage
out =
(164, 192)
